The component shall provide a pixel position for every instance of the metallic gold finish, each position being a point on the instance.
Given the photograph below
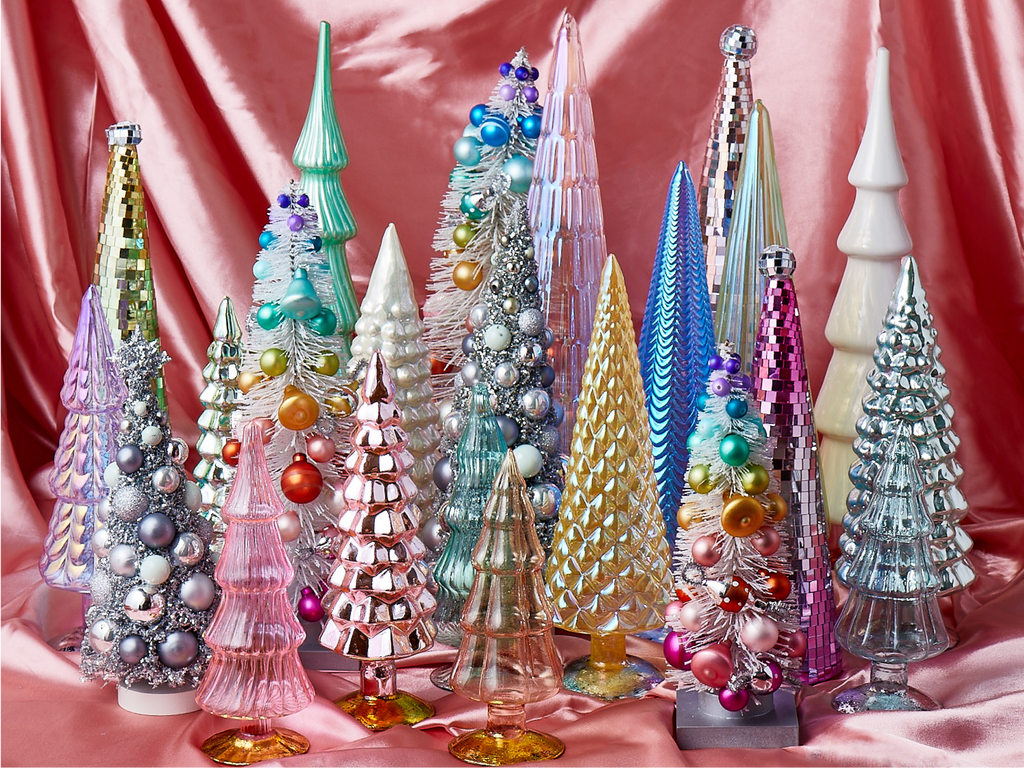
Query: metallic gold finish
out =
(240, 746)
(742, 515)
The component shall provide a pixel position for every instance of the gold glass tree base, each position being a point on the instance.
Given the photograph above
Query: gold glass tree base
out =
(486, 747)
(378, 713)
(628, 680)
(236, 747)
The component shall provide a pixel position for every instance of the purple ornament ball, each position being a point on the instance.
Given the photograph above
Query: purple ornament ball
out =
(732, 700)
(732, 365)
(530, 94)
(715, 363)
(507, 92)
(721, 386)
(295, 222)
(676, 652)
(743, 381)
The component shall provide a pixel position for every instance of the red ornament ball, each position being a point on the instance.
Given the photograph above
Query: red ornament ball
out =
(777, 585)
(793, 644)
(301, 481)
(230, 452)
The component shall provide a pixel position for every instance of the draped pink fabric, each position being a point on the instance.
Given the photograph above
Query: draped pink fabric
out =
(221, 90)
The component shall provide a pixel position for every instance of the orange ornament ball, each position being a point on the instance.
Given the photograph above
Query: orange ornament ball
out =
(301, 482)
(298, 410)
(741, 515)
(229, 453)
(776, 508)
(687, 515)
(247, 380)
(777, 585)
(467, 275)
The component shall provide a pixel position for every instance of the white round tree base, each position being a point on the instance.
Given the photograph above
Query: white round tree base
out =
(143, 699)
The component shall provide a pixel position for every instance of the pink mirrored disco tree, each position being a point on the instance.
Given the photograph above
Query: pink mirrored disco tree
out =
(93, 394)
(378, 607)
(255, 673)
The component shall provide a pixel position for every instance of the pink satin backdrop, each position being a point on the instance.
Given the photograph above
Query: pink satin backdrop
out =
(221, 91)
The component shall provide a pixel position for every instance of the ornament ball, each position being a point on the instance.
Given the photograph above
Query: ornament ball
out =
(143, 607)
(755, 479)
(776, 507)
(443, 475)
(298, 410)
(777, 585)
(691, 616)
(178, 650)
(289, 525)
(767, 679)
(711, 666)
(301, 482)
(274, 361)
(198, 592)
(509, 429)
(156, 530)
(123, 560)
(759, 634)
(519, 169)
(154, 569)
(699, 478)
(230, 452)
(193, 496)
(766, 540)
(676, 652)
(732, 700)
(247, 380)
(129, 458)
(188, 549)
(672, 609)
(132, 649)
(320, 448)
(101, 636)
(467, 275)
(742, 516)
(310, 608)
(529, 460)
(734, 450)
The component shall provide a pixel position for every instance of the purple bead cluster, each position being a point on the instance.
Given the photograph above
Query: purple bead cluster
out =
(722, 386)
(295, 222)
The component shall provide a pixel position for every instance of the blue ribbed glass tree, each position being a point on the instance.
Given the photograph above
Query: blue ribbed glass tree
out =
(676, 341)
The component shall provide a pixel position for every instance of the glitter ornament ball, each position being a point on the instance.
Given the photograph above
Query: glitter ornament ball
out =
(188, 549)
(123, 560)
(529, 460)
(129, 458)
(178, 650)
(310, 608)
(156, 530)
(144, 607)
(734, 450)
(759, 634)
(676, 651)
(198, 592)
(531, 321)
(301, 482)
(732, 700)
(132, 649)
(128, 503)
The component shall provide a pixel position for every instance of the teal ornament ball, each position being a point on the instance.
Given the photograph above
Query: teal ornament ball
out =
(269, 316)
(702, 401)
(266, 239)
(261, 270)
(323, 324)
(519, 169)
(734, 450)
(693, 441)
(469, 206)
(467, 150)
(300, 301)
(736, 409)
(477, 114)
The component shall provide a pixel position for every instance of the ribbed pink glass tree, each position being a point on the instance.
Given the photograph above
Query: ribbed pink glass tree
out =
(93, 393)
(378, 607)
(255, 673)
(567, 219)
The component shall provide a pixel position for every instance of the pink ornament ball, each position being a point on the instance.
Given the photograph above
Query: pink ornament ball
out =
(705, 551)
(691, 616)
(732, 700)
(793, 644)
(676, 652)
(672, 609)
(759, 634)
(310, 608)
(766, 540)
(289, 525)
(336, 500)
(266, 427)
(711, 667)
(320, 448)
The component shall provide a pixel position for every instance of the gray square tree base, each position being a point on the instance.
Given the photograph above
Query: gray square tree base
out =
(767, 722)
(316, 658)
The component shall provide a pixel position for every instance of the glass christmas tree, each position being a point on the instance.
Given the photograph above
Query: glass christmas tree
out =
(220, 397)
(757, 222)
(608, 574)
(152, 591)
(495, 163)
(891, 616)
(508, 657)
(566, 217)
(378, 607)
(255, 674)
(908, 383)
(123, 273)
(291, 363)
(321, 155)
(732, 558)
(675, 342)
(93, 394)
(390, 322)
(784, 398)
(718, 177)
(506, 351)
(874, 239)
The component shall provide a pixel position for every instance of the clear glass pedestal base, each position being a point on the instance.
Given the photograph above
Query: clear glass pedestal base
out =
(627, 681)
(868, 698)
(442, 677)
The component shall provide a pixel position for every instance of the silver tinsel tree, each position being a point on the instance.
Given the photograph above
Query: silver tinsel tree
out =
(908, 383)
(153, 592)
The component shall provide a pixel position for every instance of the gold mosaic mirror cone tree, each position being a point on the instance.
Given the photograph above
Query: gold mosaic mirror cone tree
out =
(608, 574)
(508, 657)
(378, 607)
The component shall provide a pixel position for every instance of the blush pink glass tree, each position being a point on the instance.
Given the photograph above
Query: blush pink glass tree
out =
(255, 673)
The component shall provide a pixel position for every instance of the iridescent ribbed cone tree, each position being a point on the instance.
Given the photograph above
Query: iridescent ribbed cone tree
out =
(874, 239)
(732, 558)
(220, 397)
(255, 673)
(495, 163)
(508, 657)
(908, 384)
(152, 591)
(92, 393)
(721, 168)
(321, 155)
(123, 272)
(390, 322)
(567, 219)
(891, 616)
(378, 606)
(784, 398)
(757, 222)
(608, 574)
(675, 342)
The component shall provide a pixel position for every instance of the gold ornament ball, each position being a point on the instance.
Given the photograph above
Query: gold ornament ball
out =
(687, 515)
(247, 380)
(327, 364)
(298, 410)
(699, 478)
(776, 507)
(467, 275)
(463, 234)
(755, 479)
(274, 361)
(741, 515)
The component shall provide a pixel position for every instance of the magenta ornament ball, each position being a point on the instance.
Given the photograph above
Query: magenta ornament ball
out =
(768, 679)
(732, 700)
(711, 667)
(705, 551)
(759, 634)
(310, 608)
(676, 650)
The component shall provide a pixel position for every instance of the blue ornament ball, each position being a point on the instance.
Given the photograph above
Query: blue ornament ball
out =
(494, 131)
(266, 239)
(261, 270)
(505, 68)
(702, 400)
(715, 363)
(522, 73)
(317, 243)
(303, 201)
(736, 409)
(477, 114)
(467, 151)
(520, 171)
(693, 441)
(284, 200)
(531, 126)
(547, 376)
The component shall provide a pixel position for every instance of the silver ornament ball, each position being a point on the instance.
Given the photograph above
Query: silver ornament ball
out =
(506, 375)
(545, 499)
(132, 649)
(536, 403)
(123, 560)
(129, 458)
(178, 650)
(531, 353)
(166, 479)
(453, 425)
(156, 530)
(144, 607)
(470, 373)
(531, 321)
(198, 592)
(177, 450)
(188, 549)
(431, 534)
(101, 636)
(101, 542)
(128, 503)
(509, 429)
(478, 315)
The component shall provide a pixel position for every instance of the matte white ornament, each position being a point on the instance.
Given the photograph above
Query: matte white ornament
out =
(152, 435)
(111, 474)
(139, 408)
(154, 569)
(529, 460)
(497, 337)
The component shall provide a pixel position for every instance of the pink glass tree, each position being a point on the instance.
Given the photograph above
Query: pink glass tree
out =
(93, 394)
(255, 673)
(378, 607)
(567, 219)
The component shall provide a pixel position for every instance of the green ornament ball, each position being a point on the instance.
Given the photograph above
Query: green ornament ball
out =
(323, 324)
(734, 450)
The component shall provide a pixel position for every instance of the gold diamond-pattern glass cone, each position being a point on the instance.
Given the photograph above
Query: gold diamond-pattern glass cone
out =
(609, 567)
